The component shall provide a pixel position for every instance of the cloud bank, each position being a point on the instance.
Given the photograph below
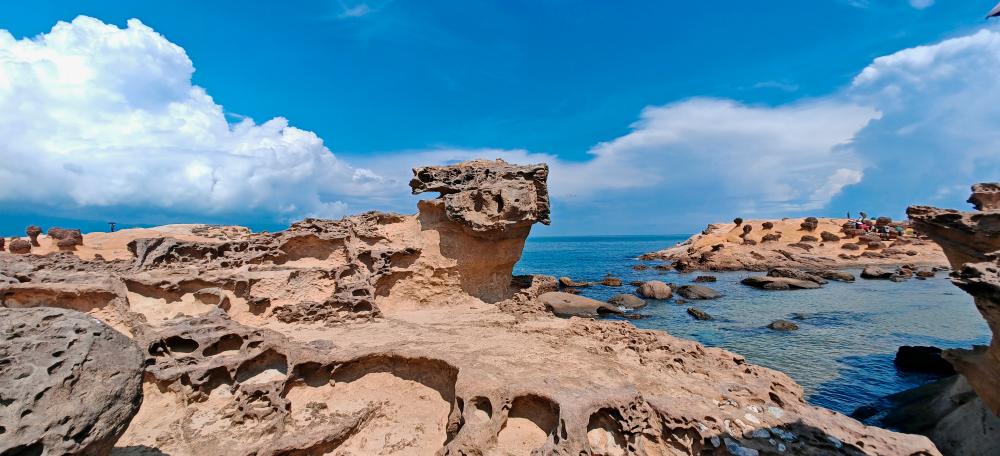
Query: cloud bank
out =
(94, 116)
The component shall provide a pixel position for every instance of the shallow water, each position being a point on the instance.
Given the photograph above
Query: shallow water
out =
(848, 332)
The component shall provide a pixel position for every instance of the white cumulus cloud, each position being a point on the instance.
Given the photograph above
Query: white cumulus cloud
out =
(96, 116)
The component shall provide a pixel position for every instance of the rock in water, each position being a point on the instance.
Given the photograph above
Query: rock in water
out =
(796, 274)
(70, 384)
(697, 292)
(654, 289)
(783, 325)
(611, 282)
(876, 273)
(927, 360)
(627, 301)
(568, 282)
(568, 305)
(778, 283)
(704, 279)
(698, 314)
(840, 276)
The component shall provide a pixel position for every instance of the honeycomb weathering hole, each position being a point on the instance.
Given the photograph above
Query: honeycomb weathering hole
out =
(481, 410)
(529, 423)
(266, 367)
(229, 342)
(604, 433)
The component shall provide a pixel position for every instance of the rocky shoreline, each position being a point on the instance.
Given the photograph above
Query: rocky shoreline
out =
(393, 334)
(802, 243)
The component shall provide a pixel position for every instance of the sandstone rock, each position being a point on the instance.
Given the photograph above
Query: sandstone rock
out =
(488, 196)
(985, 196)
(66, 238)
(697, 292)
(33, 232)
(883, 221)
(925, 273)
(627, 301)
(875, 272)
(926, 360)
(875, 245)
(850, 247)
(778, 283)
(809, 238)
(705, 278)
(796, 274)
(611, 282)
(19, 246)
(767, 225)
(770, 237)
(829, 237)
(783, 325)
(70, 384)
(567, 305)
(738, 221)
(829, 274)
(654, 289)
(568, 282)
(746, 230)
(698, 314)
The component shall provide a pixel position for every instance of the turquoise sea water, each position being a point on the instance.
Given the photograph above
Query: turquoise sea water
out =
(842, 354)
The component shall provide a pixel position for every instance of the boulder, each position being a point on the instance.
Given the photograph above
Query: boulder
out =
(770, 237)
(611, 282)
(70, 383)
(33, 232)
(738, 221)
(654, 289)
(627, 301)
(697, 292)
(875, 245)
(783, 325)
(3, 243)
(73, 236)
(922, 359)
(749, 242)
(746, 230)
(778, 283)
(767, 225)
(568, 305)
(809, 238)
(985, 196)
(883, 221)
(925, 273)
(830, 274)
(796, 274)
(19, 246)
(876, 273)
(568, 282)
(704, 278)
(801, 245)
(850, 247)
(698, 314)
(827, 236)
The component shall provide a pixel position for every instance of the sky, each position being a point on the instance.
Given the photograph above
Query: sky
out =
(654, 117)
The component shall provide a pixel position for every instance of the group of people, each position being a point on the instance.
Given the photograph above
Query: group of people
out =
(887, 230)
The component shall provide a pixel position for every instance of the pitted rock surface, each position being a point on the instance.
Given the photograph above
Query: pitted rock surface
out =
(69, 384)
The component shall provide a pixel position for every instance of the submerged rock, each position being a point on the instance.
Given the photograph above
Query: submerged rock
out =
(783, 325)
(704, 279)
(697, 292)
(698, 314)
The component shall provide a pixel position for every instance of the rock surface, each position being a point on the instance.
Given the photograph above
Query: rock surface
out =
(568, 305)
(627, 301)
(779, 283)
(407, 335)
(971, 241)
(698, 314)
(69, 384)
(697, 292)
(654, 289)
(776, 243)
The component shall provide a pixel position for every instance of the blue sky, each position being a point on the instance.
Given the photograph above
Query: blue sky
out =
(657, 117)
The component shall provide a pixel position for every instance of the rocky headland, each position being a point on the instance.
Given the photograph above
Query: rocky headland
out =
(380, 334)
(802, 243)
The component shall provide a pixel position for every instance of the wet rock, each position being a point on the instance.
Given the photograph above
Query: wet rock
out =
(70, 384)
(783, 325)
(876, 273)
(568, 305)
(611, 282)
(19, 246)
(922, 359)
(985, 196)
(654, 289)
(796, 274)
(568, 282)
(704, 279)
(698, 314)
(33, 232)
(697, 292)
(779, 283)
(627, 301)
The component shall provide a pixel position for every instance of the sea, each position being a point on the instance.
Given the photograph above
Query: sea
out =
(842, 353)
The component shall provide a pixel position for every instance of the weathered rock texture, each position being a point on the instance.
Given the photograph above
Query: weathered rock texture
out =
(971, 241)
(406, 335)
(69, 384)
(793, 243)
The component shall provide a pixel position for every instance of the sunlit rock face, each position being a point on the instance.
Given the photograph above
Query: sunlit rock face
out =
(971, 241)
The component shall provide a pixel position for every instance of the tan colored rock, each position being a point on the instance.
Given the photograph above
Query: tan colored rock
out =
(985, 196)
(568, 305)
(654, 289)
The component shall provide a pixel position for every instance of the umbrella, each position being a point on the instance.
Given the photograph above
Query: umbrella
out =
(994, 12)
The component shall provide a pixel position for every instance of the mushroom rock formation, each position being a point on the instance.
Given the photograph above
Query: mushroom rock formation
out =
(33, 232)
(986, 196)
(69, 383)
(19, 246)
(406, 334)
(971, 241)
(66, 238)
